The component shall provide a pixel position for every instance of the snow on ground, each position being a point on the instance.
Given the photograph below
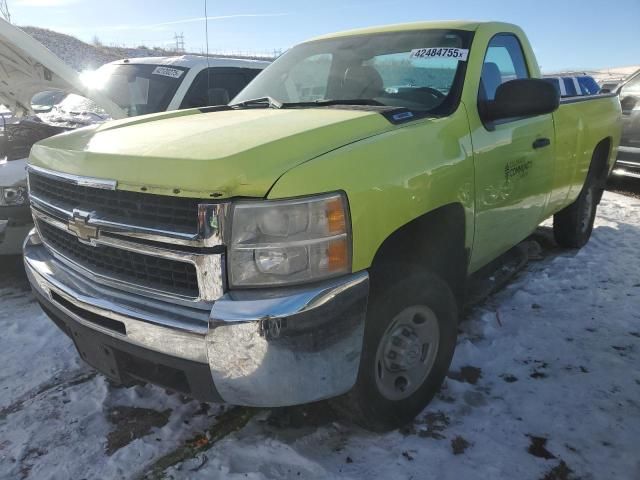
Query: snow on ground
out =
(544, 385)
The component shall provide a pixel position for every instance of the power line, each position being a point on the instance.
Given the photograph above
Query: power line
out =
(179, 42)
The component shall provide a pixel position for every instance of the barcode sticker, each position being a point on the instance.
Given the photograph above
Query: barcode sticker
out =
(168, 72)
(438, 52)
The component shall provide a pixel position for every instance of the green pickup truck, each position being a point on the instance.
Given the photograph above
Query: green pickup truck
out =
(314, 238)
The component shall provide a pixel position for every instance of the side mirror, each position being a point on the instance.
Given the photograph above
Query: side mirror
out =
(628, 103)
(525, 97)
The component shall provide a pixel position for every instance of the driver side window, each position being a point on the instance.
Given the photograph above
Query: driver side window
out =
(503, 61)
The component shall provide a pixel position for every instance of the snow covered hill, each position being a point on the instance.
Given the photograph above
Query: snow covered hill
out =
(76, 53)
(83, 56)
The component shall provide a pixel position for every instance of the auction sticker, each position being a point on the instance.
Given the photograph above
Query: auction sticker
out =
(168, 72)
(438, 52)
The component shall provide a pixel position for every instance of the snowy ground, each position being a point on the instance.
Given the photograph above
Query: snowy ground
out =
(545, 385)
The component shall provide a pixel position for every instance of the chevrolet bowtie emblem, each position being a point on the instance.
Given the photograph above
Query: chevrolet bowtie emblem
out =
(79, 226)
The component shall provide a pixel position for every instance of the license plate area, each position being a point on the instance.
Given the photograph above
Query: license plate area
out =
(96, 354)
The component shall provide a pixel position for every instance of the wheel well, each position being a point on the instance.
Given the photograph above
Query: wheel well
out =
(600, 159)
(434, 241)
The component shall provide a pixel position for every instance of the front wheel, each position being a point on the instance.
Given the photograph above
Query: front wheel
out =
(410, 336)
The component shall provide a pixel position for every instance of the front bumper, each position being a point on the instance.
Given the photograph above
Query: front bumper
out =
(265, 348)
(15, 223)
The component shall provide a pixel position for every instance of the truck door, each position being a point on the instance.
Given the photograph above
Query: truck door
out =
(513, 161)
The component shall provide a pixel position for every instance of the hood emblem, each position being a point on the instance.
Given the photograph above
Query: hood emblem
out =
(79, 226)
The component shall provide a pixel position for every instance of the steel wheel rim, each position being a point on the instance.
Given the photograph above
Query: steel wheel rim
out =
(407, 352)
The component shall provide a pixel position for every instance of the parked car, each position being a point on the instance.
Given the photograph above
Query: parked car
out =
(628, 162)
(314, 238)
(574, 86)
(44, 102)
(45, 97)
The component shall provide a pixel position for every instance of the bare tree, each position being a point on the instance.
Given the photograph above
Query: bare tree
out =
(4, 10)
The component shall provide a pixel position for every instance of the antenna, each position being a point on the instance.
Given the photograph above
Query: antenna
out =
(206, 36)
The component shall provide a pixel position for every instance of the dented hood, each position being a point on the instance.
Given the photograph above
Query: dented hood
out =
(218, 154)
(27, 67)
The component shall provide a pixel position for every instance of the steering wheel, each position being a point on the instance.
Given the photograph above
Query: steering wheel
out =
(437, 94)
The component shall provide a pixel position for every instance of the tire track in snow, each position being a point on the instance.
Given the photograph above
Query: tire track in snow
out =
(69, 380)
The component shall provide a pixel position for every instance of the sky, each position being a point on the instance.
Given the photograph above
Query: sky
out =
(565, 34)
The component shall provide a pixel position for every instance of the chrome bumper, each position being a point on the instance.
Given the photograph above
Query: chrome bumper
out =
(264, 348)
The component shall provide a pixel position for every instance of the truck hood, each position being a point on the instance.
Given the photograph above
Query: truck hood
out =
(27, 67)
(219, 154)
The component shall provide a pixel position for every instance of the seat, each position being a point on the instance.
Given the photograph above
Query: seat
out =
(218, 96)
(491, 79)
(361, 82)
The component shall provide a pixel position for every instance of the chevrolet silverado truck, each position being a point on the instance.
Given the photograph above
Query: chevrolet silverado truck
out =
(313, 239)
(30, 76)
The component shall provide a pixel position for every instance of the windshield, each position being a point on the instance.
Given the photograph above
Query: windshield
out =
(78, 105)
(48, 98)
(137, 89)
(419, 70)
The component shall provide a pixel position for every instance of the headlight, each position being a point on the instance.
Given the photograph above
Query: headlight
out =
(13, 196)
(289, 241)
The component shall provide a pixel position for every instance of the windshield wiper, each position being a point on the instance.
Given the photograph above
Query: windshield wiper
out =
(269, 102)
(328, 103)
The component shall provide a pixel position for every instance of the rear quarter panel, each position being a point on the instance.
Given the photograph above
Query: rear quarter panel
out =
(580, 125)
(392, 178)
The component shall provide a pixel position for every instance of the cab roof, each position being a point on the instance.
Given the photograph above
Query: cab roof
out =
(469, 25)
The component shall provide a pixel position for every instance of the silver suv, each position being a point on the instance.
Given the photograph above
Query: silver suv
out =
(629, 151)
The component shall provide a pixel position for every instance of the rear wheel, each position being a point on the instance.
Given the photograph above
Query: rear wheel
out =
(410, 337)
(573, 225)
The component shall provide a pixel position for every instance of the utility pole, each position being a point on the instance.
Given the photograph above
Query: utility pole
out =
(4, 10)
(179, 42)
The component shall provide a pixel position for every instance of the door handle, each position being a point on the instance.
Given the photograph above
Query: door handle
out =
(541, 143)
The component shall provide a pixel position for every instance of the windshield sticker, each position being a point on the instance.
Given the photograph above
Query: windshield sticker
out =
(168, 72)
(437, 52)
(402, 116)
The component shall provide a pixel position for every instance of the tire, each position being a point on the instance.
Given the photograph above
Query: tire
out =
(573, 225)
(400, 372)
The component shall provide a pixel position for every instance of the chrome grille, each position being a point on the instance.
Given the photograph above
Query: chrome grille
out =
(165, 213)
(163, 274)
(160, 247)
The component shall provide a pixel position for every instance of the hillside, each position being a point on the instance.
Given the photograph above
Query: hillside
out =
(83, 56)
